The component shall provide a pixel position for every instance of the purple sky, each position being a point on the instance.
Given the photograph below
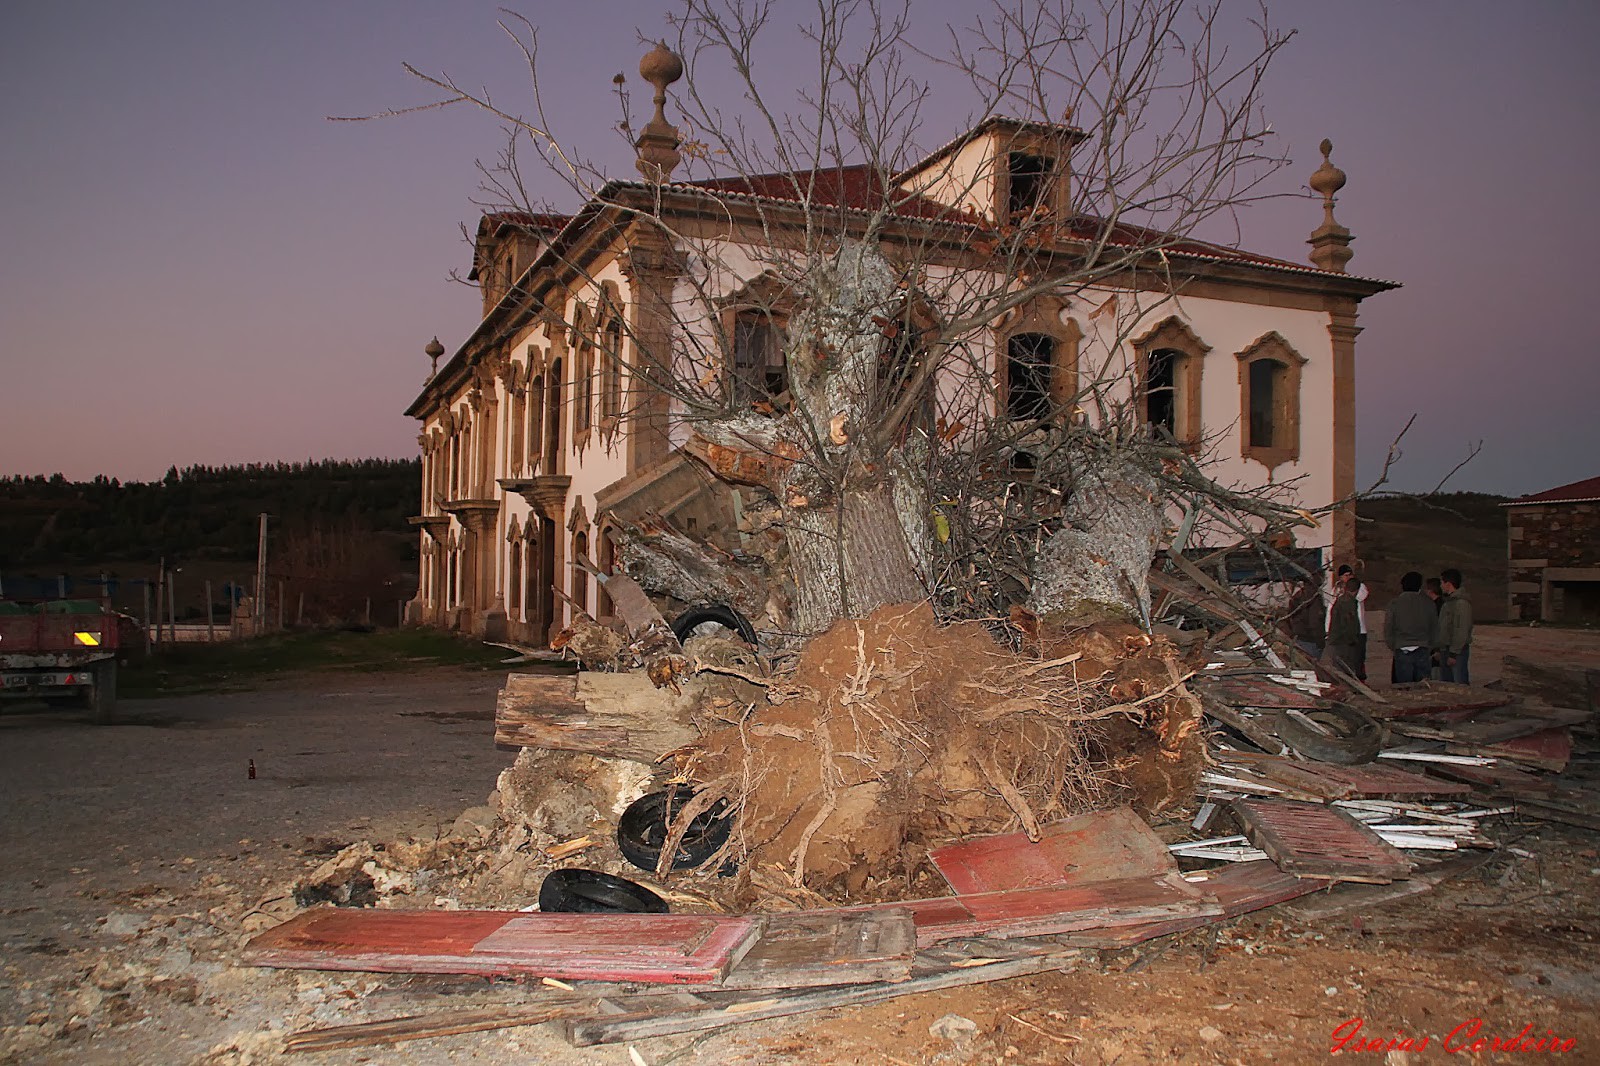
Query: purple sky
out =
(199, 268)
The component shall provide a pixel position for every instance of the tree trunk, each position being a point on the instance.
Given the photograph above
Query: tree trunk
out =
(848, 566)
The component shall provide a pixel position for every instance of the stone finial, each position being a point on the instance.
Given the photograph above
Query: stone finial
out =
(1330, 242)
(433, 351)
(658, 143)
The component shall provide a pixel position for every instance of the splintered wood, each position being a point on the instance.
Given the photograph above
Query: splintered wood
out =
(620, 715)
(1310, 839)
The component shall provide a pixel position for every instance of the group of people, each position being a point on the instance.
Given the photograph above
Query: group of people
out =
(1427, 627)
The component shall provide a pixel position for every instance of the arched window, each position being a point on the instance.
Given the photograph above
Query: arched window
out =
(552, 419)
(760, 371)
(582, 376)
(1029, 360)
(1269, 401)
(514, 577)
(580, 576)
(608, 566)
(1167, 390)
(611, 360)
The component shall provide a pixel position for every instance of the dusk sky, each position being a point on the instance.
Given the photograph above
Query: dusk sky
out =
(198, 267)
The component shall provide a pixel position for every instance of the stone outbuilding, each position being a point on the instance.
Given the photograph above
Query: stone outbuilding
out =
(1553, 554)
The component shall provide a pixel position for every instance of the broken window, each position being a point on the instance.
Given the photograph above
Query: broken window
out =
(759, 369)
(1029, 176)
(1029, 358)
(580, 576)
(1161, 389)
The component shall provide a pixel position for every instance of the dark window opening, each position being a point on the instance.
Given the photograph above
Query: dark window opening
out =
(580, 576)
(1265, 375)
(1030, 177)
(759, 369)
(1161, 389)
(1029, 357)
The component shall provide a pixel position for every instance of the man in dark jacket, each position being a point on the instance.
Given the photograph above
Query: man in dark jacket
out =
(1344, 626)
(1455, 629)
(1411, 629)
(1305, 618)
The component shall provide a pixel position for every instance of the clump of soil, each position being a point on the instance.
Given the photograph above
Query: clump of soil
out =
(896, 735)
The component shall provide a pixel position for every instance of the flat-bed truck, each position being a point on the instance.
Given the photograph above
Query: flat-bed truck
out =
(60, 650)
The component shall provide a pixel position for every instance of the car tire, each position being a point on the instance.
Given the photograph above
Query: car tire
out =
(580, 891)
(642, 830)
(1355, 737)
(686, 623)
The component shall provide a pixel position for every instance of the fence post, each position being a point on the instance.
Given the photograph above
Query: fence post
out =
(211, 627)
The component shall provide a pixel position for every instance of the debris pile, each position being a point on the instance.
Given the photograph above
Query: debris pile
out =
(906, 806)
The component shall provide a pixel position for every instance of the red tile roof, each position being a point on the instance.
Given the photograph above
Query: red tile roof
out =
(1585, 491)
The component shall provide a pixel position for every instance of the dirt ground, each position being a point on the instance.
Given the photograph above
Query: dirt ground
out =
(136, 854)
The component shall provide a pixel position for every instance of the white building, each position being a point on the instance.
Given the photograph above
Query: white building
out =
(535, 418)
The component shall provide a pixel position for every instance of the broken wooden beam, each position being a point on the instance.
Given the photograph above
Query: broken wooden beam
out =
(621, 715)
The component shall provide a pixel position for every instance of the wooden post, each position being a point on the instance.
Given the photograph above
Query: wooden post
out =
(147, 616)
(211, 625)
(400, 614)
(280, 604)
(367, 618)
(172, 606)
(258, 615)
(161, 592)
(300, 609)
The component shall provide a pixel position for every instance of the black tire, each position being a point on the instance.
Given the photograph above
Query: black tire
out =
(723, 615)
(579, 891)
(642, 830)
(1356, 737)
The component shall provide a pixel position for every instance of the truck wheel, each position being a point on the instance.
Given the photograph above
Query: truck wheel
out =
(103, 697)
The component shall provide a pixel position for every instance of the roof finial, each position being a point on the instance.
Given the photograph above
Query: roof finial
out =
(658, 143)
(1330, 242)
(433, 350)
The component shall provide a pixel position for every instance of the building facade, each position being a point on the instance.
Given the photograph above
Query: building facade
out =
(1553, 554)
(554, 399)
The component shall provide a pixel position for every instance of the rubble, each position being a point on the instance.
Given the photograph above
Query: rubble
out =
(920, 806)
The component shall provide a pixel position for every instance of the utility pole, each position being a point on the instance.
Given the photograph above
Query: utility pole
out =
(261, 577)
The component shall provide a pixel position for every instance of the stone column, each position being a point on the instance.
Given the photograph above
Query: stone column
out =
(1343, 329)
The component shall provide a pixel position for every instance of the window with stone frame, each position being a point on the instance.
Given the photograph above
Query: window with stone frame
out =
(760, 371)
(580, 576)
(1171, 360)
(611, 367)
(514, 574)
(1269, 401)
(582, 376)
(1030, 359)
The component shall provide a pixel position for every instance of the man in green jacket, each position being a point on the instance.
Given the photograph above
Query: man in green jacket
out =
(1455, 629)
(1411, 629)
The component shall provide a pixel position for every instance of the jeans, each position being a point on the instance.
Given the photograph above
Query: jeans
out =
(1458, 672)
(1412, 666)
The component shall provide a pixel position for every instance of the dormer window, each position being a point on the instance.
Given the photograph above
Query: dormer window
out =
(1028, 182)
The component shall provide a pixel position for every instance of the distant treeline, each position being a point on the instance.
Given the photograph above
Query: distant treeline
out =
(201, 512)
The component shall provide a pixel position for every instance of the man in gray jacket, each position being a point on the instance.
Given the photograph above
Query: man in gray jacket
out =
(1455, 629)
(1411, 629)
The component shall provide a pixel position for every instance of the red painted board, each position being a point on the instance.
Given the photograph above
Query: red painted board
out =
(1099, 846)
(1240, 888)
(1549, 749)
(1059, 909)
(657, 948)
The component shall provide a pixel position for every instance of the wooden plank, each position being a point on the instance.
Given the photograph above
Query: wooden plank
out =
(622, 715)
(1493, 726)
(823, 948)
(653, 948)
(1348, 897)
(1435, 697)
(1253, 691)
(1052, 910)
(1550, 749)
(1240, 888)
(1329, 782)
(732, 1008)
(1314, 840)
(1097, 846)
(1497, 780)
(428, 1026)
